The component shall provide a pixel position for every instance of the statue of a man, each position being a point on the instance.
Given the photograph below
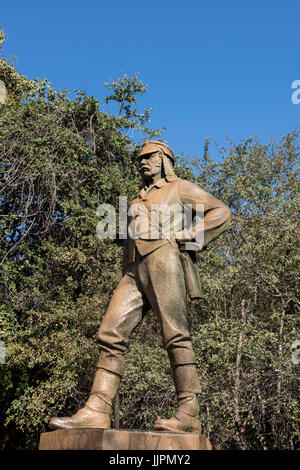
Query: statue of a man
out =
(158, 272)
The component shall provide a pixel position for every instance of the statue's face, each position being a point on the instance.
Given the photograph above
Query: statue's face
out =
(150, 164)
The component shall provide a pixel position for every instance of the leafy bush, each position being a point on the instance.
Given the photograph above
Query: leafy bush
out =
(60, 157)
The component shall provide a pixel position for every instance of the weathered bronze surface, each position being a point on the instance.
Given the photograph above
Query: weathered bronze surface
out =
(158, 273)
(112, 439)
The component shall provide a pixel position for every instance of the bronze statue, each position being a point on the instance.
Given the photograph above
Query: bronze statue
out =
(158, 272)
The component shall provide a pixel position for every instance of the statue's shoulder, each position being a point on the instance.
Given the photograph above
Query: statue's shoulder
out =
(172, 179)
(181, 184)
(186, 184)
(175, 180)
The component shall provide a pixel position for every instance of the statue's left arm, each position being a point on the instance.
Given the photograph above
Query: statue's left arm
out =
(216, 215)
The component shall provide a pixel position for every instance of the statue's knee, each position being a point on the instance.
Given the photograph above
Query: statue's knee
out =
(104, 337)
(181, 356)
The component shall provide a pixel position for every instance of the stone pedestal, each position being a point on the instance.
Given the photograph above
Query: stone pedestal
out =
(113, 439)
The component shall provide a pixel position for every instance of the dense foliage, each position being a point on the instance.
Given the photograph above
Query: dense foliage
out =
(62, 155)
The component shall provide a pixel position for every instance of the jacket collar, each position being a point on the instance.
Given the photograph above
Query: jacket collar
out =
(144, 191)
(159, 184)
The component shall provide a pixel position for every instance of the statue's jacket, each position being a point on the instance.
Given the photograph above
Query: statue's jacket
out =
(165, 212)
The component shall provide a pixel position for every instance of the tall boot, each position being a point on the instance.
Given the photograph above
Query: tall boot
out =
(186, 417)
(97, 411)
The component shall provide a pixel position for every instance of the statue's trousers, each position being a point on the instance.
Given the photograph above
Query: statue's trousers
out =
(153, 281)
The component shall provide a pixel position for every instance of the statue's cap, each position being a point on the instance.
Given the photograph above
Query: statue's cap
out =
(151, 146)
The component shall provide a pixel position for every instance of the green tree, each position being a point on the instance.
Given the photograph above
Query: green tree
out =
(124, 91)
(60, 157)
(2, 38)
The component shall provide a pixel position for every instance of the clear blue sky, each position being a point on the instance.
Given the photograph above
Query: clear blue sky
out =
(213, 68)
